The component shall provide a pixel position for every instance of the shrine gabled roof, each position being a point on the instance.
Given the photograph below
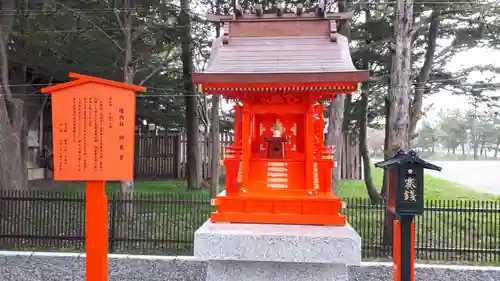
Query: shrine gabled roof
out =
(285, 54)
(281, 59)
(82, 79)
(402, 157)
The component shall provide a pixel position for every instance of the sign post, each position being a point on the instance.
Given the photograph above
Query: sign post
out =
(405, 200)
(93, 126)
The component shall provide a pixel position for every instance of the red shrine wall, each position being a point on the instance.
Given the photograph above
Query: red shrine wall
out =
(288, 113)
(291, 125)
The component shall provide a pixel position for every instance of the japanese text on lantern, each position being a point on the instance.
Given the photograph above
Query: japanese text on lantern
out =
(410, 189)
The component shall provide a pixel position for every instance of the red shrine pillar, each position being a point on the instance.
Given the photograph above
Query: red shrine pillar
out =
(245, 147)
(237, 125)
(309, 149)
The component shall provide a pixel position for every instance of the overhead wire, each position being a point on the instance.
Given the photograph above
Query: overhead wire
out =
(174, 93)
(180, 92)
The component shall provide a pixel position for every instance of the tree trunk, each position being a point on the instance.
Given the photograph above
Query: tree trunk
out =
(496, 148)
(347, 113)
(387, 146)
(192, 122)
(215, 161)
(334, 136)
(13, 173)
(363, 149)
(127, 186)
(423, 76)
(336, 112)
(363, 126)
(399, 89)
(400, 75)
(389, 217)
(475, 138)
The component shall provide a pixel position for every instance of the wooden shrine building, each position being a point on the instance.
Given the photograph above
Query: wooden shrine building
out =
(276, 67)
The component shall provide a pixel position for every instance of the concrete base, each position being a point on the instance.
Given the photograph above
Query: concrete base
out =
(258, 252)
(274, 271)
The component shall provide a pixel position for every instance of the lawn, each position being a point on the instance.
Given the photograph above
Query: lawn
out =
(165, 215)
(456, 217)
(434, 188)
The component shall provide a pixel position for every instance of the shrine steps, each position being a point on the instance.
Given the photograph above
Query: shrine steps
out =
(305, 210)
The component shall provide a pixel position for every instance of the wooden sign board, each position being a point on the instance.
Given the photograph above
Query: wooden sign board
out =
(93, 129)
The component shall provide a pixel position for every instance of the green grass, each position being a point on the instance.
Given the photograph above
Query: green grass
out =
(150, 187)
(446, 218)
(169, 213)
(434, 189)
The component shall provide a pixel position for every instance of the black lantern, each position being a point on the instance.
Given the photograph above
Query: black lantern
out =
(406, 182)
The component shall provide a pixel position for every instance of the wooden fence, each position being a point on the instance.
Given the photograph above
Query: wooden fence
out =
(163, 155)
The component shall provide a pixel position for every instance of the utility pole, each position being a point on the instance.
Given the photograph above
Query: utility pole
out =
(400, 76)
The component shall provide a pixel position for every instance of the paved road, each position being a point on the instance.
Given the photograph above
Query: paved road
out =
(480, 175)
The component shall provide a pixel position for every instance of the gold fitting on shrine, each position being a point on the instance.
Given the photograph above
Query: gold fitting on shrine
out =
(214, 202)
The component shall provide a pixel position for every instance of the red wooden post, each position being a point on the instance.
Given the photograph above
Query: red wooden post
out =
(96, 230)
(93, 122)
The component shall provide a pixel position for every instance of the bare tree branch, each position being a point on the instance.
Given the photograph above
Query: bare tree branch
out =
(425, 71)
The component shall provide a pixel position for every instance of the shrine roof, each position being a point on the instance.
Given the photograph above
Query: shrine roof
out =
(281, 59)
(402, 157)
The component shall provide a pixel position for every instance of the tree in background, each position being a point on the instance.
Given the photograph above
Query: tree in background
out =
(191, 99)
(427, 139)
(452, 128)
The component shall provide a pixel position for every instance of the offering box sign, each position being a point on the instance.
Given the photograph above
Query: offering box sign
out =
(93, 129)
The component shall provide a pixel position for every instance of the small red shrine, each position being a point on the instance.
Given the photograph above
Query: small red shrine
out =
(276, 67)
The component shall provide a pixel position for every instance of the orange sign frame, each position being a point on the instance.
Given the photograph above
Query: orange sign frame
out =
(93, 127)
(93, 123)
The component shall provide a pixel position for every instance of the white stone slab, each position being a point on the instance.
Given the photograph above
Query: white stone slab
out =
(278, 243)
(274, 271)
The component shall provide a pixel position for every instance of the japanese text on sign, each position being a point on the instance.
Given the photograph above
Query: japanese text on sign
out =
(93, 135)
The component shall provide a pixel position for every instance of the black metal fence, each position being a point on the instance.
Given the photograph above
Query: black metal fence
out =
(160, 223)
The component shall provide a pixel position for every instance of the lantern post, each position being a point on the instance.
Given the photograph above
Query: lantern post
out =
(405, 200)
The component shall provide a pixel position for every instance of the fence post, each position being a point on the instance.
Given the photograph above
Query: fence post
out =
(112, 221)
(178, 155)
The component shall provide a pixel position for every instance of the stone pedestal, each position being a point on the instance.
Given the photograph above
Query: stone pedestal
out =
(270, 252)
